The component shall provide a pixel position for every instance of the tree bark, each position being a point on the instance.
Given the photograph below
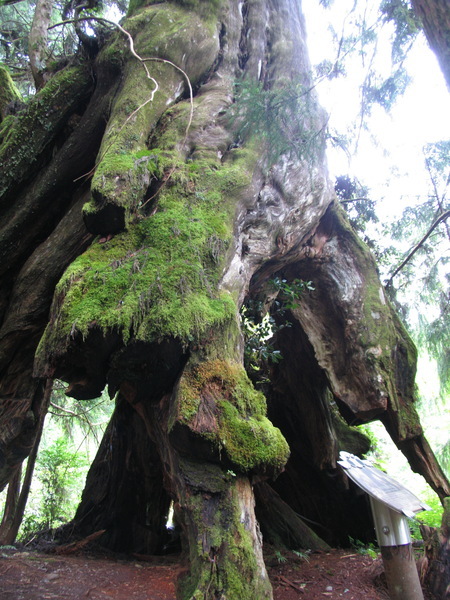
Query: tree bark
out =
(124, 493)
(195, 204)
(437, 555)
(12, 497)
(15, 518)
(280, 525)
(435, 17)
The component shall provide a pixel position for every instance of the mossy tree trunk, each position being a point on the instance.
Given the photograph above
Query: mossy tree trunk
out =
(191, 206)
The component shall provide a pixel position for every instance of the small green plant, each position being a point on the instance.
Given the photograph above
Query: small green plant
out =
(432, 518)
(280, 558)
(365, 549)
(259, 330)
(290, 292)
(257, 336)
(302, 554)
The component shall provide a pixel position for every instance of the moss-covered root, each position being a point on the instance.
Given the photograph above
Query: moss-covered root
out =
(224, 540)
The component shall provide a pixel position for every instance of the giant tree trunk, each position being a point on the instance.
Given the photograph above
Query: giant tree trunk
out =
(195, 213)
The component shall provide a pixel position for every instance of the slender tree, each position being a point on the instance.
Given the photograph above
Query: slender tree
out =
(37, 41)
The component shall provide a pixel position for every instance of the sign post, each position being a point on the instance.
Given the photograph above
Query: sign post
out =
(391, 503)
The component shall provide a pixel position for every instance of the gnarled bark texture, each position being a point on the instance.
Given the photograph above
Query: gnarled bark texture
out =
(182, 222)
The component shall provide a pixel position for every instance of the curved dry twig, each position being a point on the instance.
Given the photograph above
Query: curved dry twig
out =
(153, 92)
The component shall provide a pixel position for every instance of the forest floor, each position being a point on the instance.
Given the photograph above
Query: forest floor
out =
(30, 575)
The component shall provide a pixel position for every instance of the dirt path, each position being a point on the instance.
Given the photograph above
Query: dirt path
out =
(35, 576)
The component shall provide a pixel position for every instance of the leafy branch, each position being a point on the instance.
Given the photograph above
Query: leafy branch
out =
(259, 331)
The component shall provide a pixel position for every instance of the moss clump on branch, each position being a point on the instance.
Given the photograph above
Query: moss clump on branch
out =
(152, 281)
(8, 91)
(25, 137)
(217, 401)
(160, 277)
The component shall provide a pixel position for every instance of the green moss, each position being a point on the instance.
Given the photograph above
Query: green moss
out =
(251, 443)
(223, 560)
(168, 31)
(159, 278)
(238, 427)
(153, 281)
(229, 377)
(8, 91)
(25, 137)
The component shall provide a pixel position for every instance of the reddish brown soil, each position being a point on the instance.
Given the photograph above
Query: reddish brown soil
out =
(36, 576)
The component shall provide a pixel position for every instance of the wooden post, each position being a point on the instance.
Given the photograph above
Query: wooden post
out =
(396, 550)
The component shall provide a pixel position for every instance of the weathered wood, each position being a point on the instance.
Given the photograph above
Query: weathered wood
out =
(280, 525)
(80, 544)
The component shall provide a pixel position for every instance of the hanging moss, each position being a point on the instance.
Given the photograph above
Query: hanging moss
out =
(151, 281)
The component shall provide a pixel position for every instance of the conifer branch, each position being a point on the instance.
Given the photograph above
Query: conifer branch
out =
(417, 247)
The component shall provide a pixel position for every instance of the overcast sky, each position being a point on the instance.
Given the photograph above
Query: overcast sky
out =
(394, 142)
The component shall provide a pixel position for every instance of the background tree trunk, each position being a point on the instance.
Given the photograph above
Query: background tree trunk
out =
(37, 41)
(437, 555)
(11, 525)
(435, 17)
(9, 511)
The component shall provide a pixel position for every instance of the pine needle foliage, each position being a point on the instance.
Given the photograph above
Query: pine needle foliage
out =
(284, 118)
